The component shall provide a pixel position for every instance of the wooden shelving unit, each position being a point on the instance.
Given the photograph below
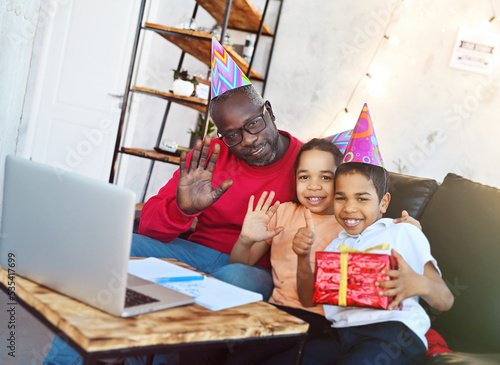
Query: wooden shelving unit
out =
(198, 45)
(151, 154)
(243, 15)
(189, 101)
(238, 15)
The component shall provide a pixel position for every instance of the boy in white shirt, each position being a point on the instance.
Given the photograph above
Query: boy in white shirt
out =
(368, 335)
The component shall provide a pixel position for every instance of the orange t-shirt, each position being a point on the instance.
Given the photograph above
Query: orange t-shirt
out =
(284, 260)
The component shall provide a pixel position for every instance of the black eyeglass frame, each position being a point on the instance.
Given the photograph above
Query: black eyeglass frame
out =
(239, 130)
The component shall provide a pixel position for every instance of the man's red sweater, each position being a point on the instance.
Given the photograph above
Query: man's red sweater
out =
(219, 225)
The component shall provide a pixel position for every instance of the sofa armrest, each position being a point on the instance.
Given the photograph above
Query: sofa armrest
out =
(462, 225)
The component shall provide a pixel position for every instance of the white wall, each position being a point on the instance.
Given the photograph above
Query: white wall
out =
(18, 22)
(430, 119)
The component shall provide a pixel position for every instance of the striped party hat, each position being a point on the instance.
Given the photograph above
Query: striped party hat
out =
(363, 145)
(226, 75)
(340, 140)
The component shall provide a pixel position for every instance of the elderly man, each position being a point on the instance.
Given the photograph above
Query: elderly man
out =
(215, 181)
(214, 184)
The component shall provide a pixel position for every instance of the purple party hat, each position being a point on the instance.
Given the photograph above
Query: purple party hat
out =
(363, 145)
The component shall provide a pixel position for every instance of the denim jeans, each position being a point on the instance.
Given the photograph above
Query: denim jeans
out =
(205, 259)
(212, 262)
(63, 354)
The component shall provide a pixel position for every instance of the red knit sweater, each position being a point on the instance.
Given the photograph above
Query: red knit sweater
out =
(219, 225)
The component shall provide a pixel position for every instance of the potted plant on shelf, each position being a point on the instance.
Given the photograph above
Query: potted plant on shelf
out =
(183, 84)
(198, 132)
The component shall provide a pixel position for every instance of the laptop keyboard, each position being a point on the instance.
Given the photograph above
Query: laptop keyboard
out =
(133, 298)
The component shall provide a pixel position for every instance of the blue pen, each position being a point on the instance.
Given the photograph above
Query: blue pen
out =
(177, 279)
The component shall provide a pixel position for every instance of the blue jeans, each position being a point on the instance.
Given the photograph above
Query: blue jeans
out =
(63, 354)
(212, 262)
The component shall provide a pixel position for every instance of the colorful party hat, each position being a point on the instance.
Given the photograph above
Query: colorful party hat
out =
(340, 140)
(363, 145)
(226, 75)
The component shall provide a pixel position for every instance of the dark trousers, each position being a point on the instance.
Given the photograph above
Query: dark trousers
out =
(375, 344)
(318, 328)
(256, 354)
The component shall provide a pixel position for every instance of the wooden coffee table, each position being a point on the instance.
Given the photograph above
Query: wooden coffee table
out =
(98, 335)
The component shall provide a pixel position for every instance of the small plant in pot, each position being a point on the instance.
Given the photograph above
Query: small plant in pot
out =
(198, 132)
(183, 84)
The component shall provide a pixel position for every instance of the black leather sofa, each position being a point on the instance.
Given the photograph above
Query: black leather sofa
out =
(461, 219)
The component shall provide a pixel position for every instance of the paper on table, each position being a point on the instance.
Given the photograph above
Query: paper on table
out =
(214, 294)
(210, 293)
(154, 269)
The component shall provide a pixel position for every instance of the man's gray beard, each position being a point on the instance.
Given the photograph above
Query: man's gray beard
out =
(274, 151)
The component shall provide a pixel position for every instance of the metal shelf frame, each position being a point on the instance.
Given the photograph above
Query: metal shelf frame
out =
(141, 28)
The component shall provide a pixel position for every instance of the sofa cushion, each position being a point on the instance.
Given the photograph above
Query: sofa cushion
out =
(462, 225)
(409, 193)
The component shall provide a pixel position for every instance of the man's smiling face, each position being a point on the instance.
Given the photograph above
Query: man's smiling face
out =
(260, 149)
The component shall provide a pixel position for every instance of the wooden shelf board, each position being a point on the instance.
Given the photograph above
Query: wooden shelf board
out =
(198, 44)
(151, 154)
(242, 16)
(189, 101)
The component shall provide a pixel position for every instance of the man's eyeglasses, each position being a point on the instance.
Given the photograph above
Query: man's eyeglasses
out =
(234, 137)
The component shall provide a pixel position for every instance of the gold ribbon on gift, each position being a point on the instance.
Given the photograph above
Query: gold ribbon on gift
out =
(344, 254)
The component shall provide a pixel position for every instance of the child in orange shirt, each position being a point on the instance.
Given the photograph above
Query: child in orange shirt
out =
(275, 226)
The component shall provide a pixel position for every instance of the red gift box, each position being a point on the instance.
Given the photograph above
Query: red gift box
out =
(348, 279)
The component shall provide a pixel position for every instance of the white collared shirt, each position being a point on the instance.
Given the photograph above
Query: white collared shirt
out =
(410, 243)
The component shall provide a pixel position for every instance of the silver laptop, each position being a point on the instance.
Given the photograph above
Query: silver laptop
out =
(73, 235)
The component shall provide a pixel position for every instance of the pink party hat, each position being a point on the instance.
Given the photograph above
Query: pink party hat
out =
(226, 75)
(363, 145)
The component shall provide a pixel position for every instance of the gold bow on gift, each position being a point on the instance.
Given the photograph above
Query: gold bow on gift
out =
(344, 253)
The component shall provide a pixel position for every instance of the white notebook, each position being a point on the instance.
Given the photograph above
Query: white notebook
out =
(208, 292)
